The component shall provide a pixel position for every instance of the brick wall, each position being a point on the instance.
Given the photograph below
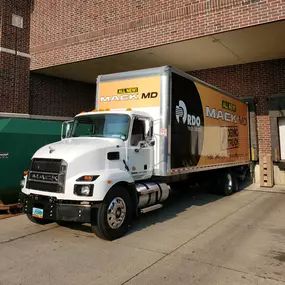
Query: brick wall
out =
(70, 30)
(13, 37)
(1, 21)
(53, 96)
(261, 80)
(14, 69)
(14, 83)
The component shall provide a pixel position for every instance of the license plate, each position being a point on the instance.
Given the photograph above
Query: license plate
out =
(38, 213)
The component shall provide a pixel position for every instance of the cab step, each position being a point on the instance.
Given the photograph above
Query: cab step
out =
(151, 208)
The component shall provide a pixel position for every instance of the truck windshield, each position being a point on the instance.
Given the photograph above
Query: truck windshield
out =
(103, 125)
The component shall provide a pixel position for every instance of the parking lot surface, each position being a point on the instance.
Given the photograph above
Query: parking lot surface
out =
(197, 238)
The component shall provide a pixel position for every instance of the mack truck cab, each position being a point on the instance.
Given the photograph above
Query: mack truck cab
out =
(99, 173)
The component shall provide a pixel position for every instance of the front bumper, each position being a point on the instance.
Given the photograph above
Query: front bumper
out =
(56, 210)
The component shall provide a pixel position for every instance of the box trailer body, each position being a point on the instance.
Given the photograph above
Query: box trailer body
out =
(151, 130)
(196, 126)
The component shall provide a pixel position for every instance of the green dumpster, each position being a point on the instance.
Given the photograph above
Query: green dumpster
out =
(19, 140)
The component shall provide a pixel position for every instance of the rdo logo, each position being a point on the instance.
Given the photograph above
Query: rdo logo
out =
(181, 113)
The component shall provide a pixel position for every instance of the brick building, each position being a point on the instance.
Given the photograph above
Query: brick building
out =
(52, 51)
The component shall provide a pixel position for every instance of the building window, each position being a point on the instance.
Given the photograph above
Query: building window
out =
(281, 126)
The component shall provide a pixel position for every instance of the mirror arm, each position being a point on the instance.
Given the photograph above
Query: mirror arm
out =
(143, 145)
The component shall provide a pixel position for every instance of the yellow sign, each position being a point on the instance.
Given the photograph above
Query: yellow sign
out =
(129, 93)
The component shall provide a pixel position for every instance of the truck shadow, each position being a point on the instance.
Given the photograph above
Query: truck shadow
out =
(173, 206)
(180, 202)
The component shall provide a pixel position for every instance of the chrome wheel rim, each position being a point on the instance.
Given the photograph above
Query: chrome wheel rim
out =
(116, 213)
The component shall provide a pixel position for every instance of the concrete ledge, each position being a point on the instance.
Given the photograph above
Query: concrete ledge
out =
(34, 117)
(258, 188)
(14, 115)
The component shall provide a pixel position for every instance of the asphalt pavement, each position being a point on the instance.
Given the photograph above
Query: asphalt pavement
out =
(196, 238)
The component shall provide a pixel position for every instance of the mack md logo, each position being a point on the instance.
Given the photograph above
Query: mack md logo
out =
(181, 113)
(125, 97)
(127, 94)
(225, 116)
(220, 115)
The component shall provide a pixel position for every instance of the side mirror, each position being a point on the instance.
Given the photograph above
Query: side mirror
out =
(66, 129)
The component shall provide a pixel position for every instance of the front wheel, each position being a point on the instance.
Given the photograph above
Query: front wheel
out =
(112, 218)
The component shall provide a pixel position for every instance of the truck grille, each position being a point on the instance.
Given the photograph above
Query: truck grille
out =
(46, 165)
(47, 175)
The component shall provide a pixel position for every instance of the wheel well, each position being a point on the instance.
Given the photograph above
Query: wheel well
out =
(132, 191)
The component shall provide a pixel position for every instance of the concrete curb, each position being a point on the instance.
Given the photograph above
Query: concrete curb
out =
(275, 189)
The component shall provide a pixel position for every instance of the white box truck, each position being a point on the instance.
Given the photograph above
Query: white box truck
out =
(151, 130)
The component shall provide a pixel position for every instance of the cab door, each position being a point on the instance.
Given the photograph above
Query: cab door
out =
(141, 150)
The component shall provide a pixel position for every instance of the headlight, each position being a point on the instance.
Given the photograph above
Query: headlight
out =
(83, 190)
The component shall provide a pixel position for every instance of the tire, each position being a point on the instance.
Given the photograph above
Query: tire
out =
(228, 183)
(38, 221)
(110, 226)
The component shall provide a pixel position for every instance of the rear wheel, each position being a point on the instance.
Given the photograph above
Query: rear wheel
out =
(111, 220)
(37, 220)
(228, 183)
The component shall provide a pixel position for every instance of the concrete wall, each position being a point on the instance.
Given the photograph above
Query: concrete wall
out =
(279, 176)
